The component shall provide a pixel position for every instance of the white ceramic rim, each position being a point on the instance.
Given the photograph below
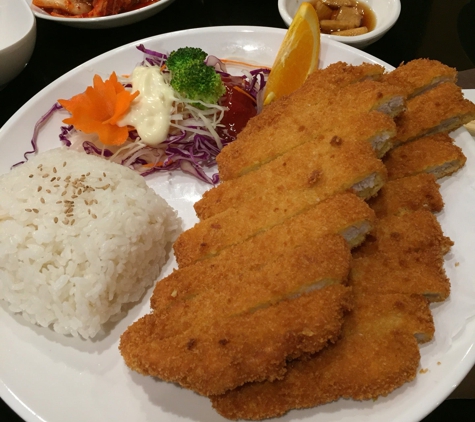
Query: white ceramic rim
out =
(26, 14)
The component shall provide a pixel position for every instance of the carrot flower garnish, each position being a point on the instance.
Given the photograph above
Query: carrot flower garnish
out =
(100, 108)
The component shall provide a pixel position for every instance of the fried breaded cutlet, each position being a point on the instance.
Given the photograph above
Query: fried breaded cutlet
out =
(275, 205)
(326, 166)
(286, 123)
(377, 353)
(311, 265)
(321, 83)
(343, 214)
(236, 225)
(229, 351)
(435, 154)
(420, 75)
(416, 233)
(439, 110)
(400, 273)
(407, 194)
(369, 95)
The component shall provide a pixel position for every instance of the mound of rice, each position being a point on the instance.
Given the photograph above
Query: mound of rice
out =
(79, 237)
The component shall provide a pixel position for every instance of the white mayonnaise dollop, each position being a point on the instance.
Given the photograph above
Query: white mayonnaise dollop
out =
(150, 112)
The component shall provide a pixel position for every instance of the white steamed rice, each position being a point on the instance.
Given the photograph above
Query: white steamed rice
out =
(72, 265)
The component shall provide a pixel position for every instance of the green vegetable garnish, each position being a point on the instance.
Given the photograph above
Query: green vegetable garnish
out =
(192, 78)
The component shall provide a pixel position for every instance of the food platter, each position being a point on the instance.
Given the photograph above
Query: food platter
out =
(114, 21)
(52, 378)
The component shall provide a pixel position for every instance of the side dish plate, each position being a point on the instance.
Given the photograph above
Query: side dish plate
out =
(114, 21)
(51, 378)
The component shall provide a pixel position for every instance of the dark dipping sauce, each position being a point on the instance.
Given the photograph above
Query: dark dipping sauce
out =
(369, 18)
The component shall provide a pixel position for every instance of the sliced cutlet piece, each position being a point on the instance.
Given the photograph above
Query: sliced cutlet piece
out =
(435, 154)
(230, 351)
(344, 214)
(417, 234)
(379, 335)
(341, 172)
(417, 76)
(371, 96)
(440, 110)
(325, 166)
(321, 83)
(399, 273)
(312, 265)
(374, 127)
(285, 124)
(407, 194)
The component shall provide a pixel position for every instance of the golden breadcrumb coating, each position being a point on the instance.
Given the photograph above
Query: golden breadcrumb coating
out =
(236, 225)
(321, 84)
(416, 233)
(191, 284)
(229, 351)
(352, 166)
(408, 194)
(336, 76)
(285, 124)
(441, 109)
(400, 273)
(420, 75)
(345, 214)
(311, 265)
(435, 154)
(377, 353)
(325, 166)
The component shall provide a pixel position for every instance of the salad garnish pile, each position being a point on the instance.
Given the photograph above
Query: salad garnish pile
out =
(173, 111)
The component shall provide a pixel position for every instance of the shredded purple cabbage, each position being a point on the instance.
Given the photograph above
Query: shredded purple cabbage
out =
(34, 139)
(152, 57)
(179, 151)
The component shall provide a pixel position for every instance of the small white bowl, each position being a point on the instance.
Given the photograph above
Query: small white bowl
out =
(386, 12)
(17, 38)
(113, 21)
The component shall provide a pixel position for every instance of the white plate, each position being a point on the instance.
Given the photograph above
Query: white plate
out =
(51, 378)
(114, 21)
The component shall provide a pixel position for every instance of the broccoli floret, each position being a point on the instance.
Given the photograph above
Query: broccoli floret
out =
(192, 78)
(179, 58)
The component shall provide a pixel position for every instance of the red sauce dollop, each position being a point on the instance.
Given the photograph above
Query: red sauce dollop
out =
(241, 108)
